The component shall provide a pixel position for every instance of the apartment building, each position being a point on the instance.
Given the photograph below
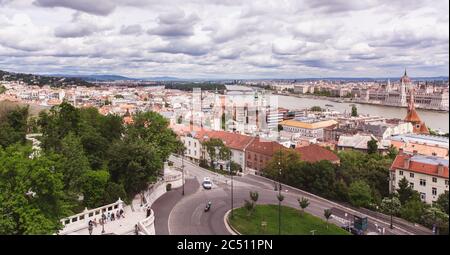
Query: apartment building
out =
(426, 174)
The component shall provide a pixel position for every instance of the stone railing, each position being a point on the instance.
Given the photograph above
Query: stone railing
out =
(80, 221)
(155, 191)
(146, 226)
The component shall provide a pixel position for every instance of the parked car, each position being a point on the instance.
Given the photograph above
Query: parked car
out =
(207, 184)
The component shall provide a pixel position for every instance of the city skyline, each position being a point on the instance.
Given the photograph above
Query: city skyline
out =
(225, 39)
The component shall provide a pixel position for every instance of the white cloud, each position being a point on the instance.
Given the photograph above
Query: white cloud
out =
(201, 38)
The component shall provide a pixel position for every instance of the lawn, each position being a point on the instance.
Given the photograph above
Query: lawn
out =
(293, 222)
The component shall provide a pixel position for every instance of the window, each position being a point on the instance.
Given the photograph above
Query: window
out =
(411, 175)
(423, 182)
(422, 196)
(411, 184)
(434, 179)
(189, 143)
(434, 191)
(401, 172)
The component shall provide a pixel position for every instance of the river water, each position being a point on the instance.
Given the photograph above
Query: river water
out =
(434, 120)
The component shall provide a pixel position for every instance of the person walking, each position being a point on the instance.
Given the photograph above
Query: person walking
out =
(90, 227)
(136, 229)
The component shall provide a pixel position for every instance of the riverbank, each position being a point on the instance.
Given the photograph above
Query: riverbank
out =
(350, 100)
(435, 120)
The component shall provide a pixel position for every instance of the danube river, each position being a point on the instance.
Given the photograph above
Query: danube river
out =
(433, 119)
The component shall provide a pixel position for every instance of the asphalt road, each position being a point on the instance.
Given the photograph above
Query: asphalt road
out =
(184, 215)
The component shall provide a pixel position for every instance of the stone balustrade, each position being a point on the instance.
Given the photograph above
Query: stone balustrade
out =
(80, 221)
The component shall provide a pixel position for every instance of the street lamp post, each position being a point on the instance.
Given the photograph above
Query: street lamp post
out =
(279, 196)
(231, 177)
(182, 171)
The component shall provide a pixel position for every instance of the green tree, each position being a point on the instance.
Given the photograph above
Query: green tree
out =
(216, 150)
(404, 191)
(31, 193)
(433, 216)
(442, 201)
(235, 167)
(94, 186)
(153, 129)
(372, 146)
(412, 210)
(254, 196)
(57, 124)
(316, 109)
(113, 192)
(354, 111)
(13, 126)
(360, 194)
(392, 152)
(341, 190)
(391, 206)
(74, 163)
(223, 121)
(249, 206)
(134, 164)
(303, 203)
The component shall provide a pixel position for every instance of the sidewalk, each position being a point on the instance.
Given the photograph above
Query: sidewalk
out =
(121, 226)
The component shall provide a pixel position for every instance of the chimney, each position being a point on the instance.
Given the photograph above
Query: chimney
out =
(406, 163)
(440, 169)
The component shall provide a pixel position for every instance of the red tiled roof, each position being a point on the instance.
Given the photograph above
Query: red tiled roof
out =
(412, 116)
(264, 147)
(418, 167)
(231, 140)
(313, 153)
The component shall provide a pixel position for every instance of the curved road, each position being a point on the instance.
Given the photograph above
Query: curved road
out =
(184, 215)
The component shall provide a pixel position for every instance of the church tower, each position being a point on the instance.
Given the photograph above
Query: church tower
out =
(405, 82)
(412, 116)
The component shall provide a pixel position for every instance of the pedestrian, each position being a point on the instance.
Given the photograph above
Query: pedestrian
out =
(136, 229)
(109, 216)
(122, 213)
(118, 215)
(90, 228)
(112, 217)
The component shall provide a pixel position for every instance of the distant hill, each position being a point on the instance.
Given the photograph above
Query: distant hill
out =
(162, 78)
(97, 77)
(113, 77)
(42, 80)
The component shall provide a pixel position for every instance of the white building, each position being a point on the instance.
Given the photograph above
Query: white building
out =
(426, 174)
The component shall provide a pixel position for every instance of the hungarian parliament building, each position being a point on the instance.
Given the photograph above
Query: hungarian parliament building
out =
(425, 96)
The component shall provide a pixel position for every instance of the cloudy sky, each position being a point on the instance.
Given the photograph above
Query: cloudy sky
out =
(226, 38)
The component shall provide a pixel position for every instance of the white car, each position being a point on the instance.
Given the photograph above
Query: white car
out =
(207, 184)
